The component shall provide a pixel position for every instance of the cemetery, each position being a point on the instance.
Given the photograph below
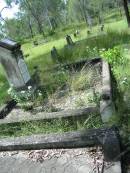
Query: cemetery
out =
(86, 86)
(79, 108)
(64, 86)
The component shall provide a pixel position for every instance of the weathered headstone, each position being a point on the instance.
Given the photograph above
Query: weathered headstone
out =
(69, 40)
(11, 58)
(76, 33)
(88, 32)
(102, 28)
(54, 54)
(36, 76)
(35, 43)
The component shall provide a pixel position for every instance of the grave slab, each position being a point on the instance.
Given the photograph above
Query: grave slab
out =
(57, 161)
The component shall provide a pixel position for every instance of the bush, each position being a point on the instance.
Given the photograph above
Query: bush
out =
(113, 56)
(51, 32)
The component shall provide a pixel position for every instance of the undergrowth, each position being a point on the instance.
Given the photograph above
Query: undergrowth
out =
(50, 126)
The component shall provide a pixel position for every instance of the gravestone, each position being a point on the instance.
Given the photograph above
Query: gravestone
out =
(11, 58)
(76, 33)
(35, 43)
(88, 32)
(69, 40)
(102, 28)
(54, 54)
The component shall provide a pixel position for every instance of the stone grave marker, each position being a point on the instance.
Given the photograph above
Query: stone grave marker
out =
(88, 32)
(54, 54)
(11, 58)
(69, 40)
(102, 28)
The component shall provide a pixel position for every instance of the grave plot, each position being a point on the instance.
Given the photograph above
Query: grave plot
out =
(73, 105)
(73, 112)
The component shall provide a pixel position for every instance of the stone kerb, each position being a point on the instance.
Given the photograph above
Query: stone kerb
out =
(104, 137)
(77, 113)
(107, 108)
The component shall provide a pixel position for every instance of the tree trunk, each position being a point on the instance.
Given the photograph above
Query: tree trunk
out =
(30, 28)
(125, 4)
(83, 12)
(54, 23)
(40, 28)
(119, 4)
(36, 17)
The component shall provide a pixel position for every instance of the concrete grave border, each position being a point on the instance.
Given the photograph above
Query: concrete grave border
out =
(77, 113)
(7, 108)
(61, 114)
(104, 137)
(107, 108)
(107, 138)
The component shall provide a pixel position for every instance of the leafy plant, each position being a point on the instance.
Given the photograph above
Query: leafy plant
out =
(26, 98)
(113, 56)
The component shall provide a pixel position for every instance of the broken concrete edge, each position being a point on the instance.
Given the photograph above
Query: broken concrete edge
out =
(107, 107)
(77, 64)
(107, 138)
(76, 113)
(106, 81)
(107, 110)
(80, 64)
(7, 108)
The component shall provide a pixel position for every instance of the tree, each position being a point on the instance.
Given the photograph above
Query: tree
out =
(125, 4)
(44, 12)
(16, 29)
(80, 10)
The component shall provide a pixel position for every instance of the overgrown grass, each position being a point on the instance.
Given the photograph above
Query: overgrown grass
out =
(52, 126)
(84, 79)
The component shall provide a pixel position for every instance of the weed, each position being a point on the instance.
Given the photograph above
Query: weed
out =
(51, 126)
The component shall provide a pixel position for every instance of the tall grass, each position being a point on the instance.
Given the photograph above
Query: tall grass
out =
(49, 126)
(90, 47)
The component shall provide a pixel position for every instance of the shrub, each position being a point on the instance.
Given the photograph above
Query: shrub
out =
(113, 56)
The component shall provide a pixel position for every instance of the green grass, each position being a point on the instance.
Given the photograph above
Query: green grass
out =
(52, 126)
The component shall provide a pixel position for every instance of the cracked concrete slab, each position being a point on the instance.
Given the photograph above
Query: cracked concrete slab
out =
(56, 161)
